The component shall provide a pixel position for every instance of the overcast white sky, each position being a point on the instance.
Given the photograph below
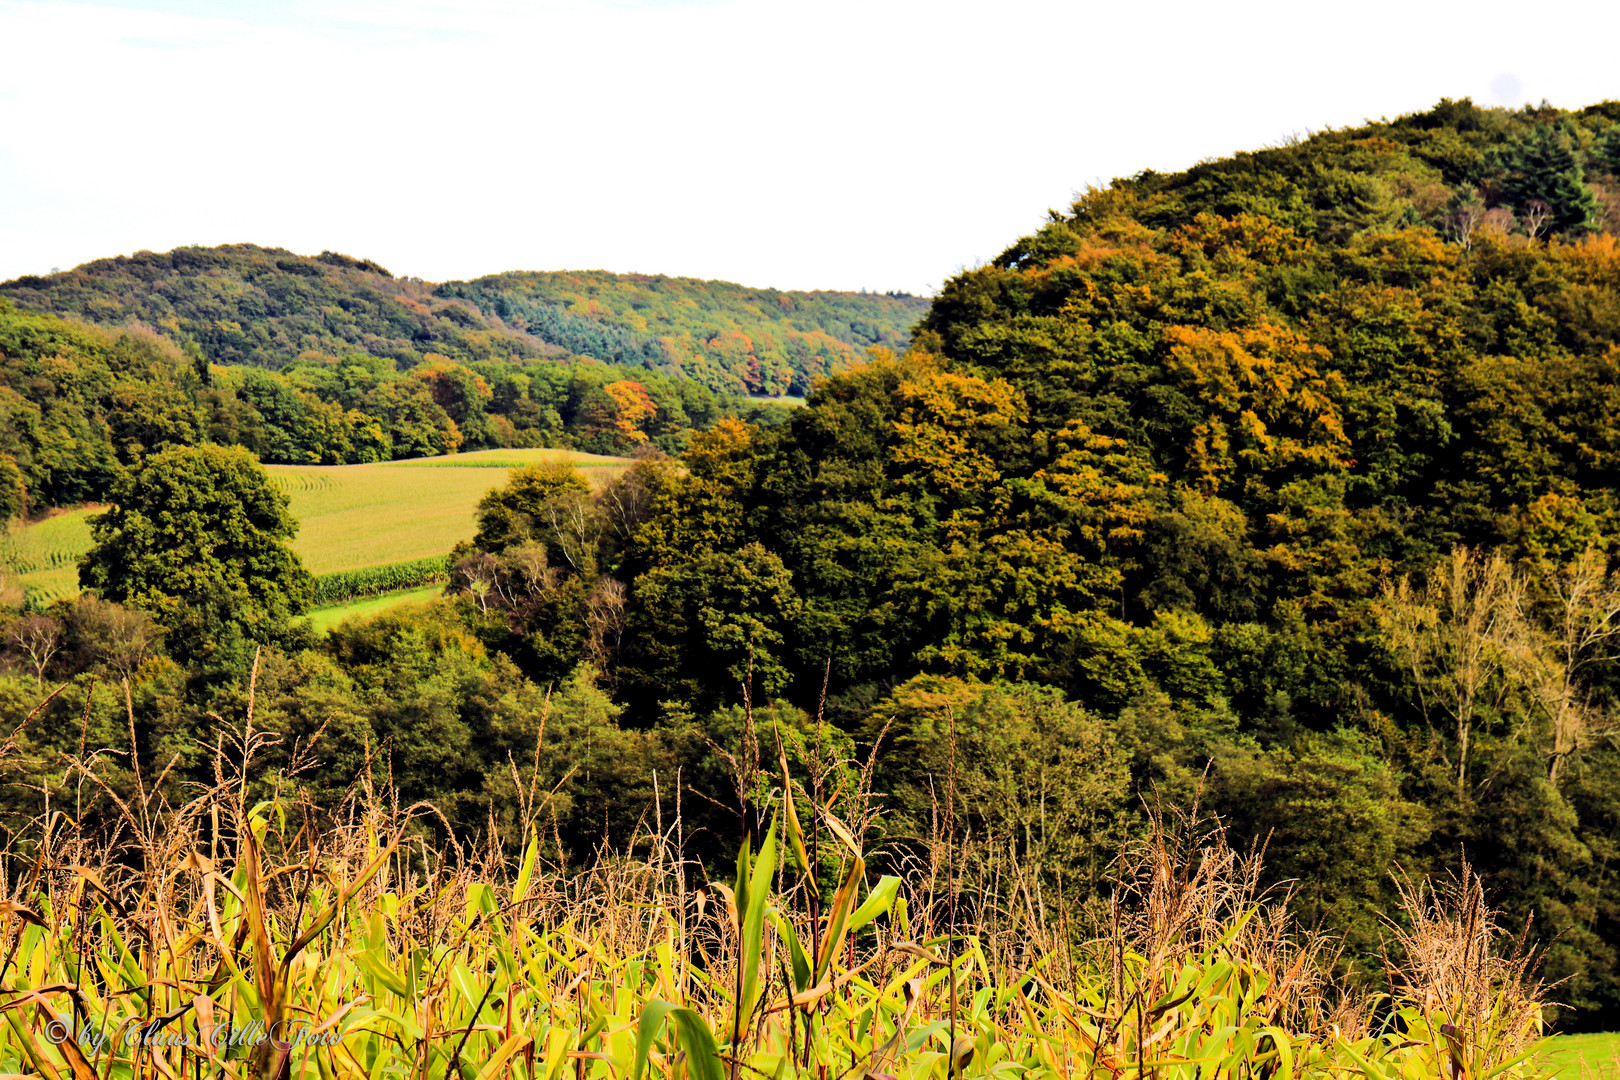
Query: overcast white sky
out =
(829, 145)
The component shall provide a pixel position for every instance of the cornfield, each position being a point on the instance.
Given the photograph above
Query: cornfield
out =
(342, 585)
(218, 938)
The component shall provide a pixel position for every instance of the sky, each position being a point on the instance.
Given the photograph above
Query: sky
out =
(875, 145)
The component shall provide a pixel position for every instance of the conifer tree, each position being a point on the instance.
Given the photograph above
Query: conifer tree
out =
(1544, 168)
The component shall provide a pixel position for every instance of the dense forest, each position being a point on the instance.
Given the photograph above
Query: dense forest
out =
(724, 336)
(1285, 485)
(243, 305)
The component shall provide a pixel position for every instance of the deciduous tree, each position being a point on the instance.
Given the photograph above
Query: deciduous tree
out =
(198, 536)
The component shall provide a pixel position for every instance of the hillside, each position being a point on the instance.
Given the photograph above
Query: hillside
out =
(1295, 471)
(725, 336)
(80, 402)
(241, 304)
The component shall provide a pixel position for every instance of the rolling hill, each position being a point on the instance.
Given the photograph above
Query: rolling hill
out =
(241, 304)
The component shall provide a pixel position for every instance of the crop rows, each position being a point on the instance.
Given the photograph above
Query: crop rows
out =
(300, 481)
(457, 462)
(41, 560)
(342, 585)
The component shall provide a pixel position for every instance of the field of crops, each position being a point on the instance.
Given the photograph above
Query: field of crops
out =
(350, 516)
(44, 556)
(353, 516)
(342, 586)
(356, 950)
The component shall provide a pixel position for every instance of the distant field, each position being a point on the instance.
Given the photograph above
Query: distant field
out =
(512, 459)
(359, 515)
(323, 619)
(45, 555)
(349, 516)
(1584, 1057)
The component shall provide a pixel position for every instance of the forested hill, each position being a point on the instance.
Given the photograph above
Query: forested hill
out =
(266, 307)
(1296, 472)
(726, 336)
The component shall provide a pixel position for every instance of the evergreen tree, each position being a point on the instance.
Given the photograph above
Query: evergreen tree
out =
(1606, 150)
(1544, 168)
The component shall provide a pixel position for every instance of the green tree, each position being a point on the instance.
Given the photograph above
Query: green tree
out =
(710, 625)
(1330, 814)
(197, 536)
(1606, 149)
(547, 503)
(1543, 168)
(13, 490)
(1038, 781)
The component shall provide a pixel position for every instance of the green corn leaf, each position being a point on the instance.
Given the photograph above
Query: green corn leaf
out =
(652, 1018)
(752, 945)
(702, 1054)
(801, 961)
(795, 831)
(531, 852)
(877, 902)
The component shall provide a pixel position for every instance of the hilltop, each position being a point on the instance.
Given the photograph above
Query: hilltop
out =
(241, 304)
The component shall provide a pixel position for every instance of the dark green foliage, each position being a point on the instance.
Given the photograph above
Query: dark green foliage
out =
(13, 490)
(1283, 486)
(544, 503)
(78, 403)
(1038, 780)
(1331, 814)
(265, 307)
(1172, 457)
(197, 536)
(1544, 167)
(240, 304)
(1606, 149)
(713, 624)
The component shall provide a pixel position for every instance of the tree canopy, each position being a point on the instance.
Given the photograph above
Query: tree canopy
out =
(1283, 486)
(197, 535)
(245, 305)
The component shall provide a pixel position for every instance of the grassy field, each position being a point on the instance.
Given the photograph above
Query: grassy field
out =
(1584, 1057)
(350, 516)
(323, 619)
(513, 459)
(360, 515)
